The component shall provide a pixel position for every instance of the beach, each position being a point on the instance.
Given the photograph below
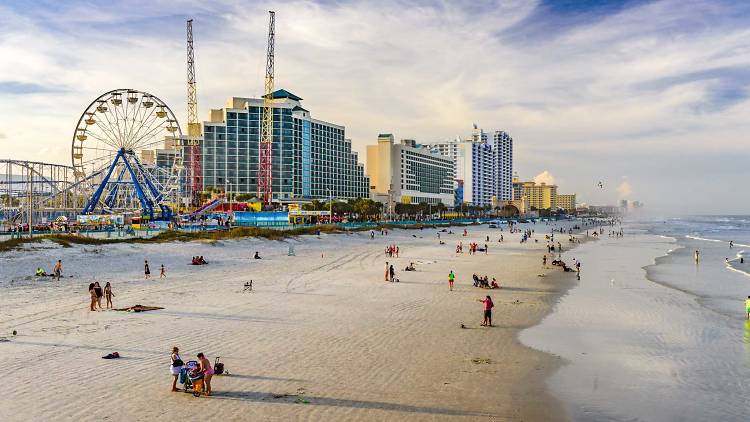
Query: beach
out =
(322, 336)
(649, 334)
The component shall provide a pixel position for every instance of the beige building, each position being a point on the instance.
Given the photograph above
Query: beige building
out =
(566, 202)
(407, 173)
(538, 196)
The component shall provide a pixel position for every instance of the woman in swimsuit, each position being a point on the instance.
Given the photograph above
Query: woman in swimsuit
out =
(92, 296)
(99, 293)
(108, 294)
(207, 370)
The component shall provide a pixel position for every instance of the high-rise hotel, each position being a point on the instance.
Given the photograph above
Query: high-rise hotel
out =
(407, 173)
(483, 166)
(312, 159)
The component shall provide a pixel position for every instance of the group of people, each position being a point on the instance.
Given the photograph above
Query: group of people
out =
(474, 247)
(203, 369)
(551, 247)
(96, 293)
(198, 260)
(484, 282)
(559, 262)
(162, 271)
(391, 251)
(56, 271)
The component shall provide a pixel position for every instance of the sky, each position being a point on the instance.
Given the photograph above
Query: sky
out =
(649, 97)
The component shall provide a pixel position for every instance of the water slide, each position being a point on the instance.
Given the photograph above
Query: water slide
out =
(207, 207)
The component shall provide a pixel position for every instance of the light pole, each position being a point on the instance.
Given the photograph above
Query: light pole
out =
(229, 197)
(330, 206)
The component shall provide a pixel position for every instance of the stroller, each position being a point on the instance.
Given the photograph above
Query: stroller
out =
(191, 379)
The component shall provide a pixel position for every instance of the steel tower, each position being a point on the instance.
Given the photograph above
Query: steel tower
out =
(265, 159)
(195, 173)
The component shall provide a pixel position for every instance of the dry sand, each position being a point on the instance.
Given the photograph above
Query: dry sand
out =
(321, 338)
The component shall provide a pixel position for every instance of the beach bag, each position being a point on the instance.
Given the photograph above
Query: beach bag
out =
(218, 367)
(183, 375)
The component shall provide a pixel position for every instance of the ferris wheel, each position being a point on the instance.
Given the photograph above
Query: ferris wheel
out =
(126, 154)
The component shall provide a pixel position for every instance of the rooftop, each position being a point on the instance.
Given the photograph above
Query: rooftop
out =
(283, 93)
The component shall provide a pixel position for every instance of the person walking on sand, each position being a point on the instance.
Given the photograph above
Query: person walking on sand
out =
(451, 279)
(176, 366)
(58, 269)
(488, 305)
(207, 370)
(392, 272)
(92, 297)
(146, 270)
(108, 294)
(387, 271)
(162, 273)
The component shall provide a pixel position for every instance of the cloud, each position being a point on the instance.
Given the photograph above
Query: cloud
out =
(624, 190)
(544, 177)
(588, 90)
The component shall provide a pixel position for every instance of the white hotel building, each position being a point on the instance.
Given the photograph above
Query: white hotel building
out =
(483, 166)
(408, 173)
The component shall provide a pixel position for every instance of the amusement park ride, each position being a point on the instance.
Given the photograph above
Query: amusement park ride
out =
(124, 154)
(129, 156)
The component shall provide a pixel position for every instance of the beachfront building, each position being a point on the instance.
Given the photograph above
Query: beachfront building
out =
(312, 159)
(540, 196)
(483, 165)
(407, 173)
(566, 202)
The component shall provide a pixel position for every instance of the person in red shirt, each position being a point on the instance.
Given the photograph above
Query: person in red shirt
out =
(488, 305)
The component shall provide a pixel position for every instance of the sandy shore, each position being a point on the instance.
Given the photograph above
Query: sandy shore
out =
(322, 337)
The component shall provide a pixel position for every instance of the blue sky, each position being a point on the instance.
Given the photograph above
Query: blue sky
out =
(648, 96)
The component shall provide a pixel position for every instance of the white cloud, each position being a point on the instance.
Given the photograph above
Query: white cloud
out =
(544, 177)
(624, 190)
(612, 96)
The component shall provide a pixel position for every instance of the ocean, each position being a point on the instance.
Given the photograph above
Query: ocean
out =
(648, 334)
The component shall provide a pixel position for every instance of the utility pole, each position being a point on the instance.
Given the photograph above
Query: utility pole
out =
(330, 206)
(31, 202)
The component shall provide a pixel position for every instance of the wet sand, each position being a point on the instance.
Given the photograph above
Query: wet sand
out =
(641, 338)
(322, 337)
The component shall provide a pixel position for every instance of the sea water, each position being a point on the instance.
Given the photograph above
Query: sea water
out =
(648, 334)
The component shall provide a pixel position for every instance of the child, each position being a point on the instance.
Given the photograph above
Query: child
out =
(163, 273)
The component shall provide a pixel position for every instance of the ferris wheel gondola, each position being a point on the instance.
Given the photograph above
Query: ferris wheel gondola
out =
(125, 154)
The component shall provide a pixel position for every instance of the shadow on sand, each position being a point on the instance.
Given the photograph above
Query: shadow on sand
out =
(262, 378)
(255, 396)
(219, 317)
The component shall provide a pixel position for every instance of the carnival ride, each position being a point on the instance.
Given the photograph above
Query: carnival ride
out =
(126, 156)
(31, 190)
